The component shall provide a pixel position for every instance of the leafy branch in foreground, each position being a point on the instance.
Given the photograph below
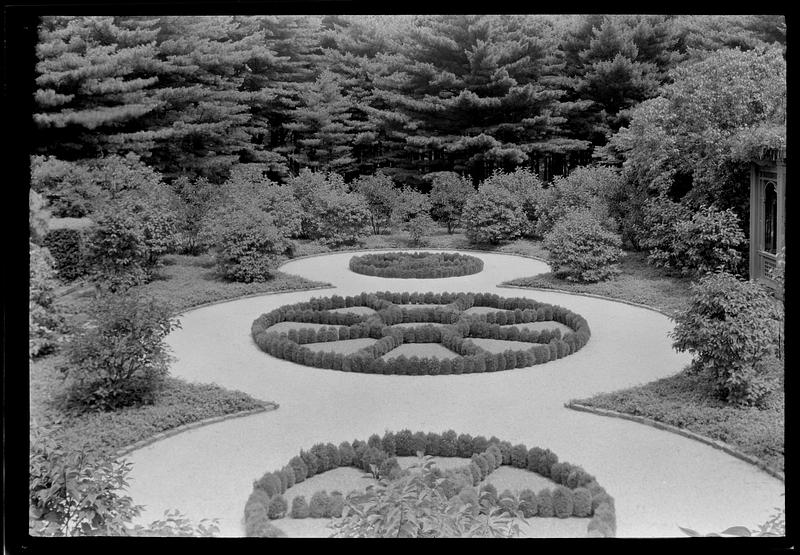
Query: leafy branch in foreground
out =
(414, 506)
(775, 526)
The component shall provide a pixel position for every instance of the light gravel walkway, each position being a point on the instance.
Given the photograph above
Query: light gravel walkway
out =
(659, 480)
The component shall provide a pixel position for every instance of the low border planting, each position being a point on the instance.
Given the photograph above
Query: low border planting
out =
(416, 265)
(576, 493)
(394, 308)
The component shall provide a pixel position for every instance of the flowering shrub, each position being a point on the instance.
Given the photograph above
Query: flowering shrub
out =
(581, 249)
(731, 326)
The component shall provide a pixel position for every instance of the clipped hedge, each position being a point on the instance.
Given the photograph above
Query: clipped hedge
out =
(576, 493)
(417, 265)
(453, 331)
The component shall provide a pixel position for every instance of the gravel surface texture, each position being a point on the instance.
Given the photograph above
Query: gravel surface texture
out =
(659, 480)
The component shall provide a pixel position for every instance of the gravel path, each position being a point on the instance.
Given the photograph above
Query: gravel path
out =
(659, 480)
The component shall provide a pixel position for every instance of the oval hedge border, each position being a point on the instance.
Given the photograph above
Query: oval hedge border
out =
(417, 265)
(394, 308)
(577, 492)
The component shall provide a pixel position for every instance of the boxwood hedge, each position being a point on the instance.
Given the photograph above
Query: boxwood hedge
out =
(576, 492)
(416, 265)
(536, 347)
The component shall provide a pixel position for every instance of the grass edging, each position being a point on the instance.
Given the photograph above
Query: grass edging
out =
(593, 295)
(715, 443)
(266, 407)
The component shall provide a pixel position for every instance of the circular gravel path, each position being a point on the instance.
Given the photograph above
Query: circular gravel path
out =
(659, 480)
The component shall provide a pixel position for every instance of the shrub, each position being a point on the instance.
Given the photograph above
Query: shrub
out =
(346, 454)
(508, 502)
(381, 196)
(312, 462)
(562, 502)
(585, 189)
(489, 493)
(692, 242)
(482, 463)
(528, 504)
(319, 505)
(44, 319)
(270, 483)
(519, 456)
(604, 522)
(493, 215)
(300, 469)
(731, 326)
(277, 507)
(464, 446)
(122, 359)
(496, 454)
(526, 187)
(288, 472)
(66, 247)
(249, 246)
(404, 443)
(336, 505)
(300, 507)
(581, 249)
(116, 252)
(582, 503)
(544, 501)
(535, 456)
(449, 192)
(448, 446)
(389, 444)
(256, 503)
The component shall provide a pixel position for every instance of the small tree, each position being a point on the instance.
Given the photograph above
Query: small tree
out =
(449, 193)
(381, 195)
(120, 359)
(732, 327)
(412, 214)
(526, 187)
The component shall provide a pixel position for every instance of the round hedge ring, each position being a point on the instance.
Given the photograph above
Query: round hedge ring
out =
(420, 265)
(466, 326)
(574, 492)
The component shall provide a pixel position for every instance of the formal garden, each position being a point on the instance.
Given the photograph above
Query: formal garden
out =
(254, 238)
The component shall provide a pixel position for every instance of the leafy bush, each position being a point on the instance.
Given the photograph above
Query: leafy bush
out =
(449, 193)
(692, 243)
(582, 503)
(66, 247)
(67, 187)
(604, 521)
(277, 507)
(528, 503)
(319, 506)
(519, 456)
(527, 188)
(44, 319)
(493, 215)
(270, 483)
(489, 492)
(121, 359)
(585, 189)
(425, 511)
(300, 507)
(381, 196)
(300, 469)
(249, 246)
(544, 500)
(731, 326)
(563, 503)
(336, 505)
(330, 214)
(80, 493)
(117, 256)
(581, 249)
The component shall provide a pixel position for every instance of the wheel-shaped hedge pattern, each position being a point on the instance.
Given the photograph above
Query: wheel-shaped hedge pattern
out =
(442, 320)
(416, 264)
(576, 492)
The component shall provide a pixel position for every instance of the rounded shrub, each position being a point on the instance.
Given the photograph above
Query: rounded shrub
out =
(277, 507)
(336, 506)
(300, 469)
(508, 502)
(318, 506)
(581, 502)
(475, 472)
(496, 454)
(545, 503)
(346, 454)
(519, 456)
(581, 249)
(270, 483)
(489, 493)
(257, 503)
(300, 507)
(493, 215)
(528, 504)
(482, 463)
(562, 502)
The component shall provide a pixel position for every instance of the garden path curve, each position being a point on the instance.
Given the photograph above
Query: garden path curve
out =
(659, 480)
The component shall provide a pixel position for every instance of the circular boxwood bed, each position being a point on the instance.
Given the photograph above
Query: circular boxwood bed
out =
(416, 264)
(576, 492)
(446, 324)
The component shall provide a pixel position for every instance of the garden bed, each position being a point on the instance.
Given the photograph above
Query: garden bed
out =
(527, 347)
(311, 486)
(686, 401)
(177, 404)
(418, 265)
